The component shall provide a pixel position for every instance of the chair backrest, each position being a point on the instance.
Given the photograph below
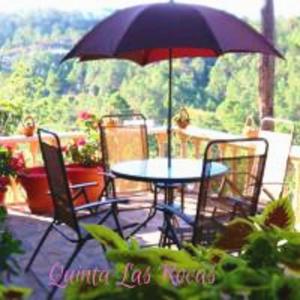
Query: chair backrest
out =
(57, 179)
(280, 142)
(245, 161)
(124, 137)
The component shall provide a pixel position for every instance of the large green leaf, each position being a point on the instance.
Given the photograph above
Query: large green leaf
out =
(262, 249)
(105, 236)
(14, 292)
(279, 213)
(155, 257)
(234, 235)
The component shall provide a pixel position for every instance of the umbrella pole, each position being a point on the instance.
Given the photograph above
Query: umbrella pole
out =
(169, 130)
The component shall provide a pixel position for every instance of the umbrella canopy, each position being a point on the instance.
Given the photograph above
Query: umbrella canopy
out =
(154, 32)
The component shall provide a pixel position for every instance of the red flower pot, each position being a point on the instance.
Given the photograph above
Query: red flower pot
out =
(34, 180)
(2, 196)
(79, 174)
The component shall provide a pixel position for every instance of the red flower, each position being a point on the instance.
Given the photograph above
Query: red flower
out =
(4, 181)
(64, 149)
(81, 142)
(84, 115)
(9, 147)
(17, 162)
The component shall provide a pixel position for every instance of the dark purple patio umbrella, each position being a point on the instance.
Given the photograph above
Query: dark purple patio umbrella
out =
(154, 32)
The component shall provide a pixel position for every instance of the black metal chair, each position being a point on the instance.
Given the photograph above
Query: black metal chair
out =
(63, 197)
(220, 199)
(125, 137)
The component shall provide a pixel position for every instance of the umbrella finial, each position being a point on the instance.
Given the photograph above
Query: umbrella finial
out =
(172, 1)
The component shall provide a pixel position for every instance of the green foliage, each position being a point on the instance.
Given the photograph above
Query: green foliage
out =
(9, 247)
(115, 104)
(279, 213)
(106, 237)
(10, 164)
(14, 292)
(235, 235)
(5, 158)
(82, 151)
(221, 92)
(267, 267)
(10, 116)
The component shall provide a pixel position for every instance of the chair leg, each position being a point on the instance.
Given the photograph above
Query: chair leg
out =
(37, 249)
(155, 195)
(116, 219)
(166, 196)
(152, 209)
(68, 264)
(182, 198)
(162, 240)
(170, 229)
(140, 226)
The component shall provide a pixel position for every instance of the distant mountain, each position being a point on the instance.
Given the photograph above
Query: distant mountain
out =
(52, 31)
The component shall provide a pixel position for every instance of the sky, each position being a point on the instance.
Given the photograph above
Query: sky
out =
(242, 8)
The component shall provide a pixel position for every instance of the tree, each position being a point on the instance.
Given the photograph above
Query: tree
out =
(115, 103)
(267, 65)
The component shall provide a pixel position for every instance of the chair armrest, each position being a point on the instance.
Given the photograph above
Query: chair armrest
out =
(175, 212)
(107, 174)
(103, 202)
(83, 185)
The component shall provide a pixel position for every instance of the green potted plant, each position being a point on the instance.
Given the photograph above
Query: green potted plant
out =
(84, 156)
(10, 164)
(83, 166)
(8, 265)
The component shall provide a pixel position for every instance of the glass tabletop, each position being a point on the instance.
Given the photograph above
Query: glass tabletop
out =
(156, 170)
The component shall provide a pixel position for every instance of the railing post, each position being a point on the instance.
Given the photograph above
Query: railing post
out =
(34, 149)
(296, 193)
(196, 142)
(183, 139)
(161, 139)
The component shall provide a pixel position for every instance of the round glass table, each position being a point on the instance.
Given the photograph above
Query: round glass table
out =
(157, 170)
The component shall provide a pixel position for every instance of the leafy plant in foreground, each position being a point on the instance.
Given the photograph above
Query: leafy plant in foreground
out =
(8, 265)
(263, 264)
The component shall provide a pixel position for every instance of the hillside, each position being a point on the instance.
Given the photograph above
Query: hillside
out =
(222, 92)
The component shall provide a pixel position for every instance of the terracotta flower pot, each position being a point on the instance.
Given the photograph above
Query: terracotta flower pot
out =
(2, 196)
(34, 180)
(79, 174)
